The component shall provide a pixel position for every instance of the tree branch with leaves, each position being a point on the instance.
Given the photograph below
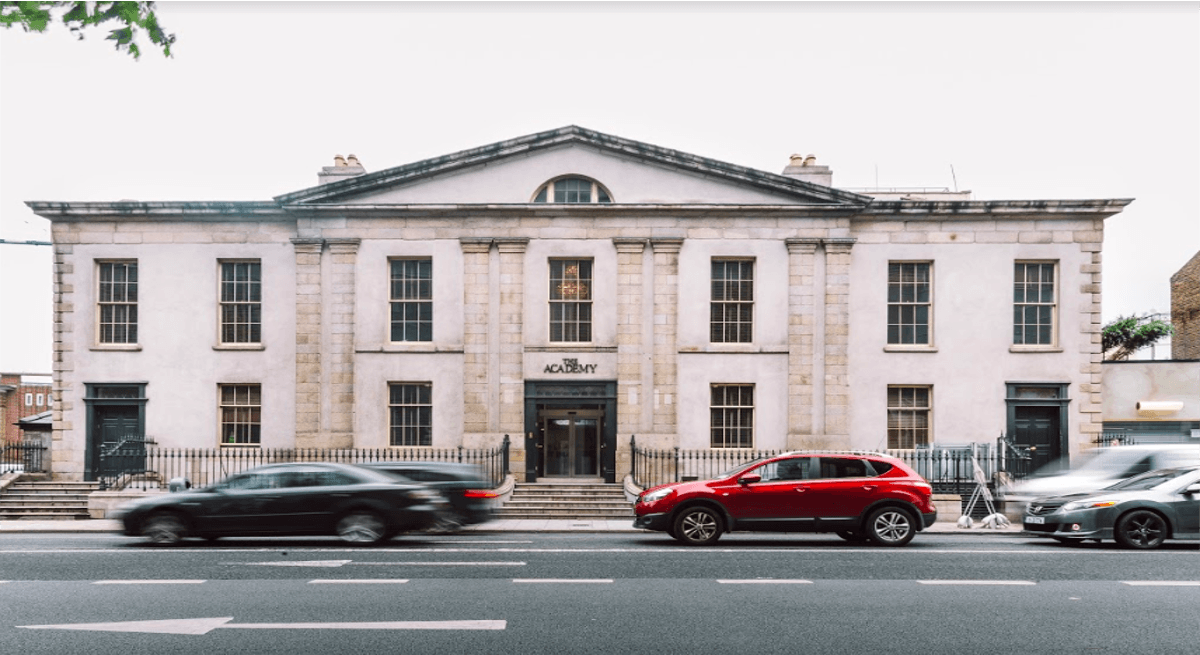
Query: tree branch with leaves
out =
(131, 19)
(1128, 334)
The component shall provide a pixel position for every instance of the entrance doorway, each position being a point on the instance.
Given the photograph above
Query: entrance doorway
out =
(570, 430)
(1038, 420)
(571, 441)
(116, 418)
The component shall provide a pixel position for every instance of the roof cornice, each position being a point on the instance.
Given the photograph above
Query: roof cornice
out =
(130, 210)
(1011, 209)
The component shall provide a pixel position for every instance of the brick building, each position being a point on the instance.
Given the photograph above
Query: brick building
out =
(572, 289)
(1185, 310)
(21, 396)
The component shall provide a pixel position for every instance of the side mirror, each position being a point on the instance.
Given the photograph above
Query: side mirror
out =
(750, 478)
(1192, 489)
(179, 484)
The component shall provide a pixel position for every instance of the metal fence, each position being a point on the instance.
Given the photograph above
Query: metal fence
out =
(950, 469)
(24, 456)
(146, 466)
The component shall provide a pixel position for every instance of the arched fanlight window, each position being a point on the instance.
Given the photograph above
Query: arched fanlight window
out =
(572, 190)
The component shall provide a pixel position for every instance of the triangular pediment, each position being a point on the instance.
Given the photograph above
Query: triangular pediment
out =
(510, 172)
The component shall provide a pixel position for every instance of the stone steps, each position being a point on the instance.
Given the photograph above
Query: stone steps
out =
(565, 500)
(66, 501)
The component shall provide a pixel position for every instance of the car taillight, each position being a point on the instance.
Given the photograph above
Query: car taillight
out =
(480, 493)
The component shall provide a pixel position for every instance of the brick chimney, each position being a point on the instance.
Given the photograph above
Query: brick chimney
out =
(805, 169)
(343, 168)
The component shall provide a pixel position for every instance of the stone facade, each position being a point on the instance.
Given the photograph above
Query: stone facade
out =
(1185, 310)
(817, 359)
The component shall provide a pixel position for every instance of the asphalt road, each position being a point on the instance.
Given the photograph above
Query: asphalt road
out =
(602, 593)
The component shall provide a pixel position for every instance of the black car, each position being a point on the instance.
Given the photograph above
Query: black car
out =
(1140, 512)
(465, 487)
(359, 505)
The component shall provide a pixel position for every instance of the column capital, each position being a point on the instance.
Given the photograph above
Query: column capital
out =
(666, 244)
(839, 244)
(475, 244)
(343, 245)
(629, 244)
(802, 245)
(307, 244)
(511, 244)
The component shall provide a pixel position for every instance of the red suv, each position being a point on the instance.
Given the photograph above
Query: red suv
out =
(859, 496)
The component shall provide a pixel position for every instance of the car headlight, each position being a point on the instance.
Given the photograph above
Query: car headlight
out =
(656, 495)
(1087, 504)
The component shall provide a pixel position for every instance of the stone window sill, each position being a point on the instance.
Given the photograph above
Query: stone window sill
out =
(117, 347)
(240, 346)
(909, 349)
(1034, 349)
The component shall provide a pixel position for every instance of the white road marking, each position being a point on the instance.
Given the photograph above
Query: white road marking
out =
(561, 580)
(322, 563)
(438, 564)
(204, 626)
(365, 581)
(977, 582)
(149, 582)
(1163, 583)
(757, 581)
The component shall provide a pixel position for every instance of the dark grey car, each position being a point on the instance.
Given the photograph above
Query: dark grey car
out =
(306, 498)
(465, 487)
(1140, 512)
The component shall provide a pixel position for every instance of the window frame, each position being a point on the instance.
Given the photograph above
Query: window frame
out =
(743, 329)
(582, 301)
(743, 429)
(129, 325)
(254, 322)
(547, 192)
(913, 430)
(900, 304)
(417, 303)
(1052, 305)
(424, 420)
(247, 416)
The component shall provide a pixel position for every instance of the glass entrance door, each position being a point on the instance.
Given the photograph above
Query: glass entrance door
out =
(571, 442)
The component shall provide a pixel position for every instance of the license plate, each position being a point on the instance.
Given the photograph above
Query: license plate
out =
(1035, 520)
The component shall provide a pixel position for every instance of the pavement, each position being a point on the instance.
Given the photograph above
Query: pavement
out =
(499, 525)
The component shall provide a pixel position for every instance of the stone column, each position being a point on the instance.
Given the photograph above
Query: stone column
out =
(801, 325)
(1091, 404)
(837, 340)
(666, 319)
(67, 446)
(308, 341)
(476, 321)
(343, 261)
(631, 351)
(512, 334)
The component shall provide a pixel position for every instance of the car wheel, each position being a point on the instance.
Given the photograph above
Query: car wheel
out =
(890, 526)
(850, 535)
(164, 529)
(1141, 529)
(447, 523)
(361, 527)
(698, 526)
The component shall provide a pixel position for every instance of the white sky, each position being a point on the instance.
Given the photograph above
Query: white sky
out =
(1021, 100)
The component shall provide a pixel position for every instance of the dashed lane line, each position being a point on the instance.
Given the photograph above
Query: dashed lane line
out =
(1163, 583)
(363, 581)
(978, 582)
(561, 581)
(762, 581)
(149, 582)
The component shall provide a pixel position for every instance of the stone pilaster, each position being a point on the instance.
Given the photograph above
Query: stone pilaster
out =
(666, 330)
(512, 333)
(67, 445)
(837, 340)
(631, 321)
(1091, 403)
(343, 254)
(476, 331)
(801, 326)
(308, 340)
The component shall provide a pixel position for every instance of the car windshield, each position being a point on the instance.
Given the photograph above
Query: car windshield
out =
(1149, 480)
(742, 467)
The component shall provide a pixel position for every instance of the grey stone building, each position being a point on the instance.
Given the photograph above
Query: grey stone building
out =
(572, 289)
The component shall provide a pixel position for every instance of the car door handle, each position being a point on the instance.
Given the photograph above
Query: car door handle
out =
(868, 487)
(801, 489)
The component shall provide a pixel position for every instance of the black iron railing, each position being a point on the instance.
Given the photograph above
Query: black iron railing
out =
(950, 469)
(25, 457)
(151, 467)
